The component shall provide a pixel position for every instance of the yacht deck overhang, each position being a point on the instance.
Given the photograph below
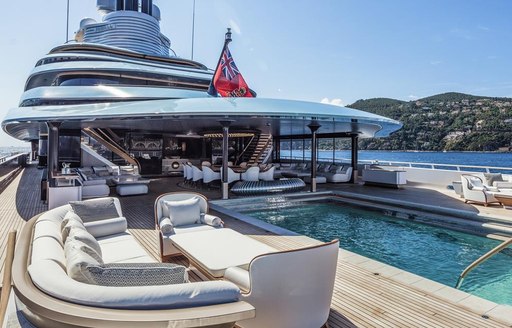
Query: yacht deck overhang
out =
(193, 116)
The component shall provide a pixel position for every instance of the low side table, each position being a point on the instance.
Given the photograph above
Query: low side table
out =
(504, 198)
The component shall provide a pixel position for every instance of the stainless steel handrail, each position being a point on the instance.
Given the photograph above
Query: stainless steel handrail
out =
(482, 259)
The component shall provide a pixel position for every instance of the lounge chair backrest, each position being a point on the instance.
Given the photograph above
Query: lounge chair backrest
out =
(177, 196)
(308, 273)
(251, 174)
(474, 181)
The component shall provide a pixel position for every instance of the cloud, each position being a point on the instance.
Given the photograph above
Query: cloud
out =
(335, 101)
(412, 97)
(483, 28)
(235, 27)
(435, 62)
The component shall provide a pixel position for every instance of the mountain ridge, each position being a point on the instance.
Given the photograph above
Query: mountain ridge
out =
(446, 121)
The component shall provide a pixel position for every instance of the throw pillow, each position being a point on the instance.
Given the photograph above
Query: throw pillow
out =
(78, 257)
(72, 224)
(491, 177)
(183, 212)
(85, 237)
(95, 209)
(70, 215)
(136, 274)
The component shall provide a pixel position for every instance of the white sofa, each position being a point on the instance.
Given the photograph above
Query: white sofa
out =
(338, 174)
(166, 228)
(52, 297)
(289, 289)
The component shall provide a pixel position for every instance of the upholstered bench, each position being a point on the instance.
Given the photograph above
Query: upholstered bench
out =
(135, 186)
(319, 179)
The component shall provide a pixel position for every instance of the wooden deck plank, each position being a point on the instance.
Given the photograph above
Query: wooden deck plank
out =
(361, 299)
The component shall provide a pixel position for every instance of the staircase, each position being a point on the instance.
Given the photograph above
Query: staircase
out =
(262, 149)
(106, 142)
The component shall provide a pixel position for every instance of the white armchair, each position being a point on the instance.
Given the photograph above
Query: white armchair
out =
(210, 175)
(475, 191)
(251, 174)
(169, 223)
(232, 175)
(338, 174)
(289, 289)
(197, 175)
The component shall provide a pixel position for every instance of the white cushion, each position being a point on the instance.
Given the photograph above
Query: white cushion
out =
(70, 215)
(211, 220)
(78, 257)
(107, 227)
(72, 224)
(48, 229)
(51, 279)
(48, 248)
(239, 277)
(166, 226)
(183, 212)
(84, 237)
(121, 248)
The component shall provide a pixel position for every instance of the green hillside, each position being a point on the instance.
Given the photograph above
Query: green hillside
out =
(448, 121)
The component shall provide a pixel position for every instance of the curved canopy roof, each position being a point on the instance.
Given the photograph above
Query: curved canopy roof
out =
(196, 115)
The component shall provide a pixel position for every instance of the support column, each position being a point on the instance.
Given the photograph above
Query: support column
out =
(354, 158)
(313, 126)
(225, 153)
(53, 147)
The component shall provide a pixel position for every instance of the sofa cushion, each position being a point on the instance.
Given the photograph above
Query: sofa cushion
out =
(122, 247)
(48, 248)
(51, 279)
(490, 178)
(183, 212)
(166, 226)
(137, 274)
(96, 209)
(70, 215)
(85, 237)
(78, 257)
(211, 220)
(107, 227)
(72, 224)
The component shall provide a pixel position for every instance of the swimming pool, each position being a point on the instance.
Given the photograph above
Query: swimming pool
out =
(436, 253)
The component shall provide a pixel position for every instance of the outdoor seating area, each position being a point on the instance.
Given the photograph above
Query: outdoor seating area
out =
(265, 275)
(331, 173)
(483, 189)
(80, 261)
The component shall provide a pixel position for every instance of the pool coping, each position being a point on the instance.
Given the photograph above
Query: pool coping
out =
(476, 304)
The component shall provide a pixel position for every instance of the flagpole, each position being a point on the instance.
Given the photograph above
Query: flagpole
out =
(67, 23)
(227, 40)
(193, 26)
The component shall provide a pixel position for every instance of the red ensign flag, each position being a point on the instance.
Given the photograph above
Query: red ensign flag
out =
(227, 80)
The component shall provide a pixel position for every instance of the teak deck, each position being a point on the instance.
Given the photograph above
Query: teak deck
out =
(361, 298)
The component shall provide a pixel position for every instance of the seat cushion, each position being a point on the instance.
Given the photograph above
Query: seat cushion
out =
(107, 227)
(122, 248)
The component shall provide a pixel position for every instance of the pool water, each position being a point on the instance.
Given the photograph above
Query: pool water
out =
(436, 253)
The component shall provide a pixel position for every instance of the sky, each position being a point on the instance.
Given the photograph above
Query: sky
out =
(335, 51)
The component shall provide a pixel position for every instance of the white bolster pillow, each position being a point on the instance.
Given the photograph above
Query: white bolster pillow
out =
(166, 226)
(212, 220)
(106, 227)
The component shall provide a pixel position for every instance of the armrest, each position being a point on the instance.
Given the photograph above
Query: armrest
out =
(212, 220)
(239, 277)
(94, 182)
(166, 226)
(489, 188)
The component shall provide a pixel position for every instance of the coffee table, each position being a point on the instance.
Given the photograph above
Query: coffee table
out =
(213, 251)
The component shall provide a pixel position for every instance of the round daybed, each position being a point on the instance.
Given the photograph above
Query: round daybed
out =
(245, 188)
